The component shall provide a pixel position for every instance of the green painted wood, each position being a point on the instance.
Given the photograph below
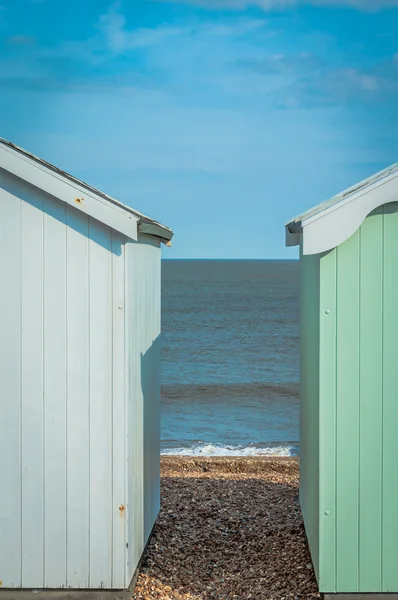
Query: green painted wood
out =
(327, 416)
(358, 418)
(371, 402)
(347, 418)
(309, 401)
(390, 401)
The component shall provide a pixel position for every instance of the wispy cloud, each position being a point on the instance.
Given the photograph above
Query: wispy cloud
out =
(94, 62)
(89, 64)
(280, 63)
(119, 39)
(305, 80)
(268, 5)
(342, 87)
(194, 100)
(234, 58)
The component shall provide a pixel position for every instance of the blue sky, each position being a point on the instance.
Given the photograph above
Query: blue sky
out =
(220, 118)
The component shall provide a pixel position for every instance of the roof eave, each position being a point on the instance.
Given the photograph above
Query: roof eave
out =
(156, 230)
(331, 227)
(293, 230)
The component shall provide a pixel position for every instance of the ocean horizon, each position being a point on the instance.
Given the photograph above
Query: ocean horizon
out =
(230, 357)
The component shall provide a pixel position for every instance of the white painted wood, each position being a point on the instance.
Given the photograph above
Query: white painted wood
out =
(335, 226)
(150, 383)
(69, 190)
(78, 411)
(32, 394)
(346, 196)
(333, 222)
(10, 391)
(54, 393)
(101, 426)
(135, 308)
(119, 421)
(143, 260)
(79, 379)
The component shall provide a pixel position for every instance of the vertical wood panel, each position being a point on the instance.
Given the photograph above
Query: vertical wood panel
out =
(143, 397)
(55, 393)
(327, 567)
(136, 417)
(78, 464)
(63, 364)
(10, 391)
(32, 394)
(128, 475)
(390, 401)
(100, 406)
(119, 423)
(347, 429)
(150, 369)
(370, 475)
(309, 400)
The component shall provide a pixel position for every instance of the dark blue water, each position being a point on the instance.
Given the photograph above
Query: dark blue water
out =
(230, 357)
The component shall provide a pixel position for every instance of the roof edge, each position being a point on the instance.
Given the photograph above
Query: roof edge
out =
(156, 230)
(351, 193)
(334, 226)
(116, 208)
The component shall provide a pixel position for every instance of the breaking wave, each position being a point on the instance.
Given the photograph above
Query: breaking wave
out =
(207, 449)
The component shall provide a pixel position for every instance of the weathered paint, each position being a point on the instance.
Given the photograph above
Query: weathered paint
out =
(358, 421)
(68, 380)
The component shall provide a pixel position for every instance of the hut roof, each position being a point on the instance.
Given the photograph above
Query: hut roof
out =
(82, 196)
(330, 223)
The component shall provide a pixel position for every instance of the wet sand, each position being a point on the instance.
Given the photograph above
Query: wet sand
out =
(229, 528)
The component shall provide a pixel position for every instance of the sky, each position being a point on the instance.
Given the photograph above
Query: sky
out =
(222, 119)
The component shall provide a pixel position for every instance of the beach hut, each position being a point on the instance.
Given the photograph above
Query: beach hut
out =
(349, 386)
(79, 383)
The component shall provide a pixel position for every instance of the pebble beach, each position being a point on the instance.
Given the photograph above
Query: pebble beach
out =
(229, 528)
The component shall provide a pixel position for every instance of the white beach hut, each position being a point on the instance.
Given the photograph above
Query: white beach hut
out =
(79, 382)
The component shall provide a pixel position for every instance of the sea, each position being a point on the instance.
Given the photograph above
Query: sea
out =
(230, 357)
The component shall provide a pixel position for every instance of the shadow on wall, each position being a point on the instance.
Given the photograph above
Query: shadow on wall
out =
(235, 536)
(150, 385)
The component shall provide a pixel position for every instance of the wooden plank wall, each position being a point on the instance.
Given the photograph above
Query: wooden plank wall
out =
(359, 409)
(62, 391)
(143, 332)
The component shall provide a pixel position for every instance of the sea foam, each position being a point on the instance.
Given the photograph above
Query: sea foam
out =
(227, 450)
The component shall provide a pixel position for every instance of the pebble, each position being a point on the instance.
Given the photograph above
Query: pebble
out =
(229, 528)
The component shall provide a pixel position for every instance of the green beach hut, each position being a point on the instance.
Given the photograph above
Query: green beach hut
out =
(349, 386)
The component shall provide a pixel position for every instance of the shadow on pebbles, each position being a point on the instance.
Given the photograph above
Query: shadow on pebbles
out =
(229, 528)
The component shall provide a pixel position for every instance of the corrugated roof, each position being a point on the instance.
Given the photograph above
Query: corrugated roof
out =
(343, 197)
(145, 224)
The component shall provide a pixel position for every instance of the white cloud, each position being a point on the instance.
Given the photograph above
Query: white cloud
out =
(119, 39)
